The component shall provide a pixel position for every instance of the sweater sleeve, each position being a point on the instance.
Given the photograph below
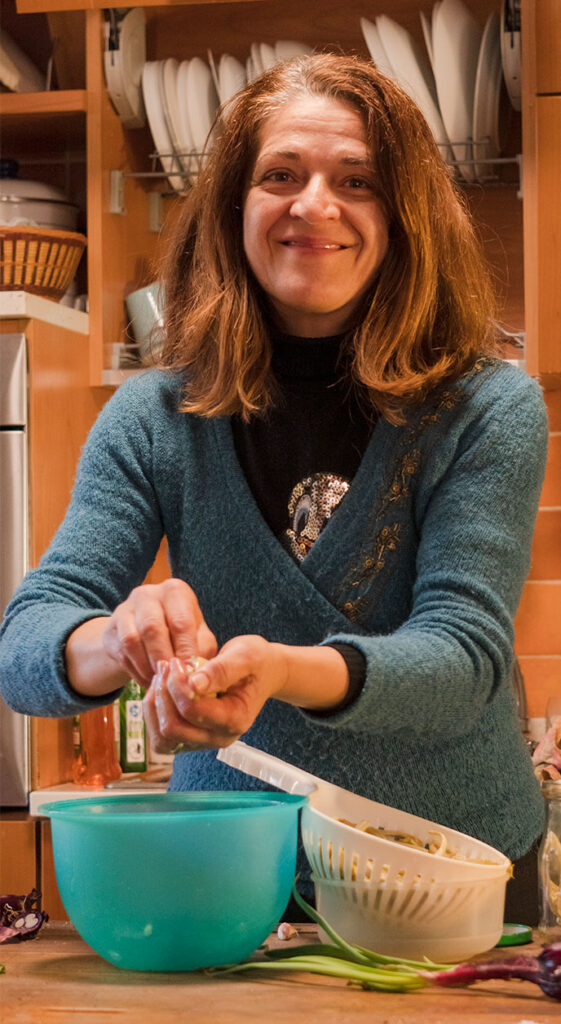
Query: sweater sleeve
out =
(436, 673)
(102, 550)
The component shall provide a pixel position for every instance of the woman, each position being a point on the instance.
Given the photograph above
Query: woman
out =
(346, 475)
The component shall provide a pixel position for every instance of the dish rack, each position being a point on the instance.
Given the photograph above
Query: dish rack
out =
(39, 260)
(396, 899)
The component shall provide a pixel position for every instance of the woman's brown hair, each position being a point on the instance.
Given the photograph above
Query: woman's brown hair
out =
(429, 313)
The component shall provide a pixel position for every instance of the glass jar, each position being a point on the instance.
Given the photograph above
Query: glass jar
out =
(549, 862)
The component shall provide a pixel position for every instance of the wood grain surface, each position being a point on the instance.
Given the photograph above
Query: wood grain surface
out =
(57, 978)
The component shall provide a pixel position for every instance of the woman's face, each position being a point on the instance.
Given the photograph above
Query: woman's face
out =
(315, 232)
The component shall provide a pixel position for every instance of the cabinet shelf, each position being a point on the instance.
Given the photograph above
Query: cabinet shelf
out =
(15, 105)
(36, 118)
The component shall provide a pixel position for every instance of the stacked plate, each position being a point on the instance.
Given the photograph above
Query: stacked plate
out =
(181, 98)
(181, 105)
(457, 80)
(231, 75)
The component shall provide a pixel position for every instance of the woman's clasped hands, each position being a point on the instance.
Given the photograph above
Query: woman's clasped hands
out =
(214, 702)
(157, 635)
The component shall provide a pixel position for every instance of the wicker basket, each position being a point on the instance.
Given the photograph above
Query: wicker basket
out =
(39, 260)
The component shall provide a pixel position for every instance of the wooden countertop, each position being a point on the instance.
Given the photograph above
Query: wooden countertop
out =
(56, 978)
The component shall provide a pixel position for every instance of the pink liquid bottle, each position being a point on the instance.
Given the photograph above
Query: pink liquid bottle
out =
(95, 758)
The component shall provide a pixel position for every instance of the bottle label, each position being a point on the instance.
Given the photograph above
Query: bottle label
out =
(76, 737)
(136, 747)
(117, 729)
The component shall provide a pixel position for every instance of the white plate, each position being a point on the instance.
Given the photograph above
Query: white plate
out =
(426, 25)
(17, 71)
(255, 51)
(487, 141)
(510, 55)
(456, 41)
(152, 99)
(231, 77)
(123, 69)
(190, 163)
(376, 48)
(287, 48)
(202, 102)
(414, 74)
(268, 56)
(132, 45)
(169, 70)
(214, 70)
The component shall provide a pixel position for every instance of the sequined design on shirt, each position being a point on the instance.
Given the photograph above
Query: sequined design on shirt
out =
(311, 504)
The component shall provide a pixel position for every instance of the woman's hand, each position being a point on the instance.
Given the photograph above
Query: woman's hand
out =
(156, 622)
(215, 704)
(218, 702)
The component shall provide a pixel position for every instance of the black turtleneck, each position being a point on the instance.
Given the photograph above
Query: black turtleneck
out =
(300, 457)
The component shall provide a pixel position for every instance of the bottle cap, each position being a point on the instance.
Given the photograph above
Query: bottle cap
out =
(515, 935)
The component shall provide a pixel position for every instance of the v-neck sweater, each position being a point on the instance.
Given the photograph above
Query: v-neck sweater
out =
(315, 433)
(423, 572)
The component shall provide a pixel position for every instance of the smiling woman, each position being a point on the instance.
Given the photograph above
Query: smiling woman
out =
(333, 451)
(314, 228)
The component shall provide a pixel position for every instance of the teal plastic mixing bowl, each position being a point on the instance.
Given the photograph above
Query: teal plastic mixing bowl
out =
(176, 881)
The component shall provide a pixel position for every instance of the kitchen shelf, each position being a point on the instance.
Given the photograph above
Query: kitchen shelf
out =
(112, 378)
(20, 304)
(32, 121)
(41, 104)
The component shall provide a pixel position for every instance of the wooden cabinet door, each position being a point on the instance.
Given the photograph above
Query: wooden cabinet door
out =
(542, 228)
(547, 14)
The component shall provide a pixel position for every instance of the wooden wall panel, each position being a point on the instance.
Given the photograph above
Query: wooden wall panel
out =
(548, 37)
(51, 900)
(17, 854)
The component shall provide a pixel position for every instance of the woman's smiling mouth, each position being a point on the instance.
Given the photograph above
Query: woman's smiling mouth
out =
(317, 244)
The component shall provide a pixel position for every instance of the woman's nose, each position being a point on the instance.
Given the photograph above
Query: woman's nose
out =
(315, 201)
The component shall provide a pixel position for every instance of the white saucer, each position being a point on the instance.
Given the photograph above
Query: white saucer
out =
(255, 51)
(151, 76)
(487, 97)
(268, 56)
(202, 103)
(456, 41)
(231, 77)
(376, 48)
(169, 70)
(190, 163)
(123, 69)
(413, 71)
(287, 48)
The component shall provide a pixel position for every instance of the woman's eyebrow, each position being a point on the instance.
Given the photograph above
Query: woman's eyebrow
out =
(288, 154)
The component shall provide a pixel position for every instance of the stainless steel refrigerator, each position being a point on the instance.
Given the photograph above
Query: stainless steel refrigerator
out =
(14, 548)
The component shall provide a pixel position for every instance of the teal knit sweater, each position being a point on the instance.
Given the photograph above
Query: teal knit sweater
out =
(421, 568)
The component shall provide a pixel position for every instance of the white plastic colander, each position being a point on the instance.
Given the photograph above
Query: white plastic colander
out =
(387, 896)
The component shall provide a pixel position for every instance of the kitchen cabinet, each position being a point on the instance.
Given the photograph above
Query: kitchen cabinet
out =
(123, 251)
(546, 15)
(541, 61)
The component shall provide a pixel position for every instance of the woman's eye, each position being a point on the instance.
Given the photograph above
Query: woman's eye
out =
(279, 177)
(358, 183)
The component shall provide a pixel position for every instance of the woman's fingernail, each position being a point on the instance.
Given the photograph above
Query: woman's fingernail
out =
(199, 682)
